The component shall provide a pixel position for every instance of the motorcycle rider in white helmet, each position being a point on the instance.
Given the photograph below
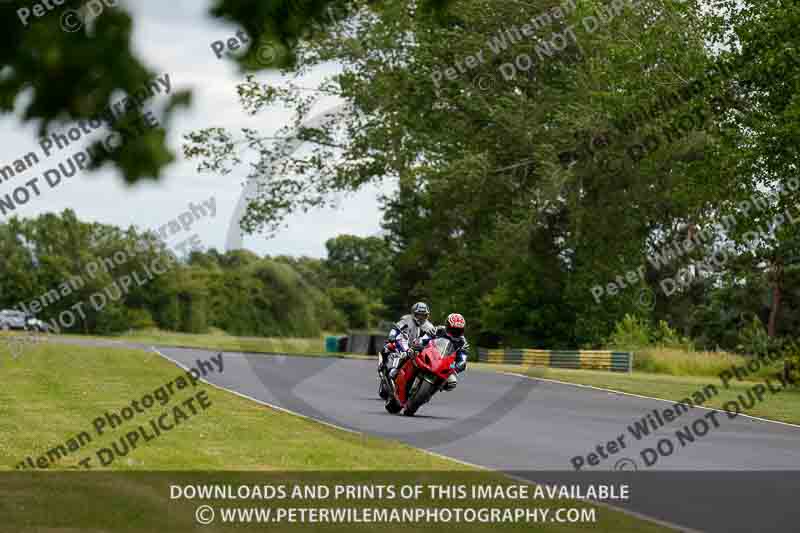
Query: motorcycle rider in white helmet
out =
(412, 326)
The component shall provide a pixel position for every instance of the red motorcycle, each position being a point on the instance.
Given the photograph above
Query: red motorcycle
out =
(421, 376)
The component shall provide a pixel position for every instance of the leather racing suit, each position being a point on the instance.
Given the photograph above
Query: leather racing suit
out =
(408, 326)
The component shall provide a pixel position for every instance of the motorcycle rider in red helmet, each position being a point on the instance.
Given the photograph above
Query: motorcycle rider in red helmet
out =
(453, 330)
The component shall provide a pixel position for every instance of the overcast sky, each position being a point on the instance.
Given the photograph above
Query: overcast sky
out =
(174, 37)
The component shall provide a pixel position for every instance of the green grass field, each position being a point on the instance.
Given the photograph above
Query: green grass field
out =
(69, 386)
(52, 392)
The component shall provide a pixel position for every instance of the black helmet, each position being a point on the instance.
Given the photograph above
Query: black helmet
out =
(421, 312)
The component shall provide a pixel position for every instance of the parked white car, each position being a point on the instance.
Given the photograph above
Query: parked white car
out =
(11, 319)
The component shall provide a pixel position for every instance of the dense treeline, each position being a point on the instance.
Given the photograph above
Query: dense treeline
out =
(548, 153)
(547, 156)
(110, 280)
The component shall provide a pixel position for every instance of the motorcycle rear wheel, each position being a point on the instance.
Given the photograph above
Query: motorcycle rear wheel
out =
(424, 392)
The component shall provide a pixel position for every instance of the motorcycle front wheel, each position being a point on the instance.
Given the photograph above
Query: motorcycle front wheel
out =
(421, 396)
(393, 406)
(383, 391)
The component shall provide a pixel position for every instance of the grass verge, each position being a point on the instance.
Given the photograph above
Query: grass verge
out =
(677, 362)
(221, 341)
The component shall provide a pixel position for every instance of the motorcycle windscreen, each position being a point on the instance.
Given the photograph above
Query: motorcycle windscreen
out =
(439, 356)
(443, 346)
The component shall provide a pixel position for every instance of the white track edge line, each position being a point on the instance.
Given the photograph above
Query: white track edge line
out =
(633, 514)
(645, 397)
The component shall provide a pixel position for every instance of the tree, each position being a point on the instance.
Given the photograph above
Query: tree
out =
(455, 150)
(353, 303)
(362, 262)
(73, 73)
(110, 280)
(766, 34)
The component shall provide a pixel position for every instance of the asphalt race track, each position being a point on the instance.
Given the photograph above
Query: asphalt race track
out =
(743, 475)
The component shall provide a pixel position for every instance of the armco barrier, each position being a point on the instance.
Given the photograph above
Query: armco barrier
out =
(587, 359)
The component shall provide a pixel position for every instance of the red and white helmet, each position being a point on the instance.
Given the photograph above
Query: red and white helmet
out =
(455, 325)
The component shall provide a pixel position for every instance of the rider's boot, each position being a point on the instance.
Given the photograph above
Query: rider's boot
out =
(396, 361)
(451, 382)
